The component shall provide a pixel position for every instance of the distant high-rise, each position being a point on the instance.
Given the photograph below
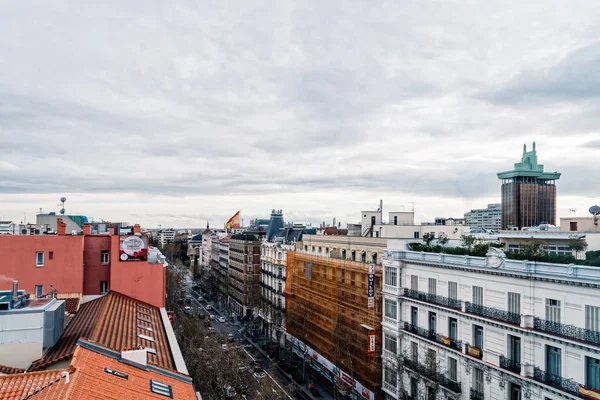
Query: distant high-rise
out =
(528, 193)
(489, 218)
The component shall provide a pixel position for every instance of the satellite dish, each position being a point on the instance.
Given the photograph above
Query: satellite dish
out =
(63, 199)
(62, 211)
(595, 210)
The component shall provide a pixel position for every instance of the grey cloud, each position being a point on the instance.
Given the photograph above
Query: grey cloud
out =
(572, 78)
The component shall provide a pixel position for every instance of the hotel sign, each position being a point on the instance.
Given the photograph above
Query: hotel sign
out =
(371, 286)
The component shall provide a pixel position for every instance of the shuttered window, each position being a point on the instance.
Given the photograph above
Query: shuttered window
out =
(478, 295)
(432, 286)
(514, 303)
(453, 290)
(592, 318)
(553, 310)
(414, 282)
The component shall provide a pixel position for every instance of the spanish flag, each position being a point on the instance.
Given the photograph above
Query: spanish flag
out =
(233, 222)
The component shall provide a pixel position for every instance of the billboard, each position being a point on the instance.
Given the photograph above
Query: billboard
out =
(133, 248)
(371, 286)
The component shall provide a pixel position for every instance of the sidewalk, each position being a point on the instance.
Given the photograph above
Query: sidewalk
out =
(323, 394)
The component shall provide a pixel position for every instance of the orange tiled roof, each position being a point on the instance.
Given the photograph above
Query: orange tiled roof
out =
(113, 321)
(71, 305)
(23, 386)
(90, 381)
(10, 370)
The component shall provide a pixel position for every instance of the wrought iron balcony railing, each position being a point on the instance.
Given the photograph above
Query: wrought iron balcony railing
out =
(435, 337)
(493, 313)
(568, 331)
(433, 298)
(510, 365)
(476, 394)
(432, 374)
(558, 382)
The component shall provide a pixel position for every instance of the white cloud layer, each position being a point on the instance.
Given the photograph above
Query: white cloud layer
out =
(179, 112)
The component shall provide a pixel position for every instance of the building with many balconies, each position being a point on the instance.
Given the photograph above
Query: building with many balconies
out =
(244, 274)
(463, 327)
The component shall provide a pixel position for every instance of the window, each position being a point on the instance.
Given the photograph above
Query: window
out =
(145, 337)
(390, 376)
(431, 359)
(39, 290)
(452, 328)
(51, 255)
(414, 388)
(416, 235)
(452, 369)
(453, 290)
(414, 351)
(478, 336)
(592, 373)
(395, 220)
(116, 373)
(478, 379)
(514, 248)
(39, 259)
(390, 309)
(432, 286)
(514, 303)
(432, 321)
(161, 388)
(353, 255)
(553, 310)
(103, 287)
(363, 257)
(478, 295)
(553, 360)
(430, 393)
(390, 343)
(573, 226)
(104, 257)
(515, 392)
(592, 318)
(414, 316)
(514, 348)
(414, 282)
(391, 275)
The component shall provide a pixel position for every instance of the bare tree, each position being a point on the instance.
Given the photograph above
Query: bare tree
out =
(442, 239)
(174, 287)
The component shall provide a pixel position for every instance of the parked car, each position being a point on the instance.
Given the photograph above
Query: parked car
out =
(188, 300)
(209, 307)
(259, 375)
(211, 330)
(188, 311)
(211, 317)
(200, 298)
(257, 366)
(221, 319)
(201, 315)
(230, 337)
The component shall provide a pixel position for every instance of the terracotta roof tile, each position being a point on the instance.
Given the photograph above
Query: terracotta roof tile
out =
(6, 370)
(22, 386)
(71, 305)
(90, 381)
(81, 326)
(113, 321)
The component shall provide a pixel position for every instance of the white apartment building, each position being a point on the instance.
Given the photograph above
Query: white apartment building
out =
(272, 282)
(488, 328)
(166, 236)
(489, 218)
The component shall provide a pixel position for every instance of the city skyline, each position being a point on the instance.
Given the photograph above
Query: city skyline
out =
(189, 112)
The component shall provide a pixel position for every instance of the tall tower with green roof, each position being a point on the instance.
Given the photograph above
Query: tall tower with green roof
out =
(528, 193)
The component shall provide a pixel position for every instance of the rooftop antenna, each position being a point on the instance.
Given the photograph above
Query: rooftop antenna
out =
(595, 211)
(62, 205)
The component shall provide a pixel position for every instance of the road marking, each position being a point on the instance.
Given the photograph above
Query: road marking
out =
(269, 375)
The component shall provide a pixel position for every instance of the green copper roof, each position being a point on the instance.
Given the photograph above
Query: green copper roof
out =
(529, 167)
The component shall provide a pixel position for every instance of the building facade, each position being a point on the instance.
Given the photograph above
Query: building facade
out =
(244, 274)
(528, 193)
(272, 281)
(222, 273)
(461, 327)
(489, 218)
(353, 248)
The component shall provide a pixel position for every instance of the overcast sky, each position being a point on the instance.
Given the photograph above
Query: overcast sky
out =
(178, 112)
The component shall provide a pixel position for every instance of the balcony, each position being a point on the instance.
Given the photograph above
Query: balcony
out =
(558, 382)
(476, 394)
(433, 298)
(473, 351)
(510, 365)
(392, 323)
(567, 331)
(392, 290)
(493, 313)
(435, 337)
(432, 374)
(390, 388)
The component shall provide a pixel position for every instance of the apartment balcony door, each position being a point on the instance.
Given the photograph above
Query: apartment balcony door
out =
(553, 361)
(515, 392)
(514, 348)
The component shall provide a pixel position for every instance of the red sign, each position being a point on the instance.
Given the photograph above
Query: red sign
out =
(365, 393)
(371, 344)
(171, 316)
(347, 379)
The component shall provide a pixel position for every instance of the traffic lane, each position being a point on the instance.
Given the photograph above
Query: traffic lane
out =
(283, 378)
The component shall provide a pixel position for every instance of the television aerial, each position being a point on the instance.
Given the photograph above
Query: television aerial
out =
(595, 211)
(62, 208)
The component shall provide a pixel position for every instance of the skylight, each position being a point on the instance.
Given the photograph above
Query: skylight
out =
(144, 319)
(147, 328)
(161, 388)
(116, 373)
(142, 336)
(151, 350)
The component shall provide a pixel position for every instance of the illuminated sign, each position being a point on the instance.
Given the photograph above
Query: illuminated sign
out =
(371, 286)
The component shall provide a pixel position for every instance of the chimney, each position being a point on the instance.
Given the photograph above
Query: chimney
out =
(15, 290)
(61, 227)
(87, 228)
(137, 229)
